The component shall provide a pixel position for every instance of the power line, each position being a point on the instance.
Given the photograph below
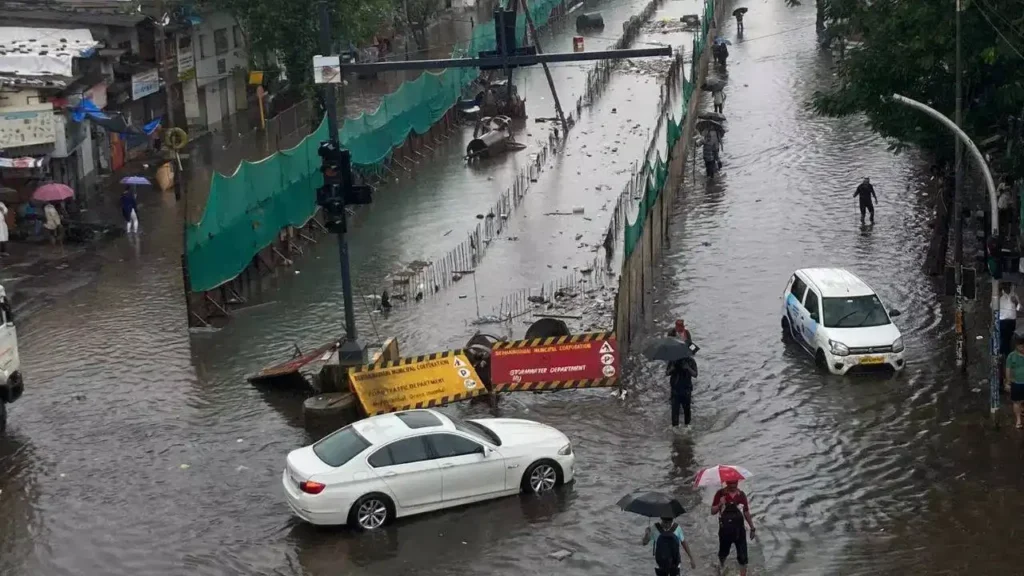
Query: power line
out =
(999, 32)
(1003, 18)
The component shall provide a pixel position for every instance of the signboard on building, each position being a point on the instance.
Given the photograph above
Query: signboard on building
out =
(186, 62)
(26, 125)
(145, 83)
(580, 361)
(420, 382)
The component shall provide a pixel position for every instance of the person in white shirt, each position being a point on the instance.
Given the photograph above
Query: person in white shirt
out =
(719, 98)
(4, 232)
(1004, 203)
(1008, 307)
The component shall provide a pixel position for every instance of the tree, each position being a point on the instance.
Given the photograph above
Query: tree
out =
(415, 16)
(290, 30)
(909, 48)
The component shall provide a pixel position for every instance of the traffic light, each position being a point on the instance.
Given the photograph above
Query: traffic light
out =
(339, 188)
(505, 39)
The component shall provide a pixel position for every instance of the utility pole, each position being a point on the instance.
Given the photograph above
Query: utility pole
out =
(958, 209)
(349, 352)
(990, 184)
(551, 82)
(165, 72)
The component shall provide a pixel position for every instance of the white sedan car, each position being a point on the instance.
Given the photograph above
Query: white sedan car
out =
(393, 465)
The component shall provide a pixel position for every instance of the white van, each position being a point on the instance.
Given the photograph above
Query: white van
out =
(836, 317)
(11, 385)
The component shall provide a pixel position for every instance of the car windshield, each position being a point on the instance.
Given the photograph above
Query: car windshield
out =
(853, 312)
(476, 430)
(340, 447)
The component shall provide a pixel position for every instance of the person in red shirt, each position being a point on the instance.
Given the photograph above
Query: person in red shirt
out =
(731, 506)
(680, 331)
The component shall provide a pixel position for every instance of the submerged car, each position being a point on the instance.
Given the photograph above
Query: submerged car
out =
(836, 317)
(393, 465)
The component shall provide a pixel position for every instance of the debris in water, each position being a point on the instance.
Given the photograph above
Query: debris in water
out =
(560, 555)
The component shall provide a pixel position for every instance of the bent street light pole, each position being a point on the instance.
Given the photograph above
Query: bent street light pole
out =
(350, 351)
(493, 61)
(994, 208)
(958, 208)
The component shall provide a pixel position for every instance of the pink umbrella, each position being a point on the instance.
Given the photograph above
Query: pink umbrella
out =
(718, 475)
(53, 192)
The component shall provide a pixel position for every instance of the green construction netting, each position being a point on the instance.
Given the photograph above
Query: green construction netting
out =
(658, 173)
(245, 210)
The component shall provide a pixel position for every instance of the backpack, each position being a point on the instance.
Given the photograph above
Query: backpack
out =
(666, 548)
(732, 516)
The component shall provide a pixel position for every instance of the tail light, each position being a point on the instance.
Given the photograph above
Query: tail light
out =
(310, 487)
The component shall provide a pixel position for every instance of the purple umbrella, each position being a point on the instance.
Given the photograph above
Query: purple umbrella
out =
(136, 181)
(53, 192)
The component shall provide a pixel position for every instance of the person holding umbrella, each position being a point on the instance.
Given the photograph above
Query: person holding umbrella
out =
(732, 508)
(667, 535)
(738, 14)
(129, 211)
(681, 370)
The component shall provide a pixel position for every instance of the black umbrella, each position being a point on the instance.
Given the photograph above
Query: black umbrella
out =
(651, 505)
(739, 11)
(711, 116)
(705, 125)
(668, 349)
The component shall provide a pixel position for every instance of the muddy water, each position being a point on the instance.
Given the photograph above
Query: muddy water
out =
(139, 449)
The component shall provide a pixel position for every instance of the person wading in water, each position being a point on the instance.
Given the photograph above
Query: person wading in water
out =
(731, 507)
(866, 193)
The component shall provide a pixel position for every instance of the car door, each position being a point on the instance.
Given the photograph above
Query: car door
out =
(812, 319)
(468, 469)
(407, 469)
(795, 307)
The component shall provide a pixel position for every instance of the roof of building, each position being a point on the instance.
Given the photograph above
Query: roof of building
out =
(836, 282)
(42, 57)
(75, 12)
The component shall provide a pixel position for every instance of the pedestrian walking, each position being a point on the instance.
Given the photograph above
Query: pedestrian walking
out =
(866, 195)
(1004, 204)
(1008, 307)
(53, 224)
(680, 331)
(129, 210)
(732, 508)
(5, 234)
(681, 374)
(668, 538)
(718, 96)
(1014, 380)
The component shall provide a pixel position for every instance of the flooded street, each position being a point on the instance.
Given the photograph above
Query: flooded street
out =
(140, 449)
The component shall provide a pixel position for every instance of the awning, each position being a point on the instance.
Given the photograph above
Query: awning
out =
(41, 52)
(112, 121)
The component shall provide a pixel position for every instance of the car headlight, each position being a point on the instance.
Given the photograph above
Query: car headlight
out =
(838, 348)
(565, 450)
(897, 346)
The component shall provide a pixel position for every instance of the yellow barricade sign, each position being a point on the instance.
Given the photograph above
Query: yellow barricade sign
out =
(420, 382)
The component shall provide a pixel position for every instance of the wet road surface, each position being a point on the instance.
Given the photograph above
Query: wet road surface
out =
(139, 449)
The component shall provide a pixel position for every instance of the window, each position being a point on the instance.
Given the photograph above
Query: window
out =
(239, 39)
(204, 45)
(222, 66)
(184, 43)
(449, 445)
(340, 447)
(418, 419)
(220, 41)
(380, 458)
(408, 451)
(476, 430)
(853, 312)
(812, 304)
(798, 289)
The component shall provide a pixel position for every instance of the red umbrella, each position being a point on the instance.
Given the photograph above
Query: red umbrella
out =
(53, 192)
(718, 475)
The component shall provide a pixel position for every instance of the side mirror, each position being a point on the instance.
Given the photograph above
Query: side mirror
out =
(814, 316)
(894, 313)
(486, 452)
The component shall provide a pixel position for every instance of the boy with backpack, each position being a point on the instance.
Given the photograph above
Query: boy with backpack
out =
(668, 539)
(731, 506)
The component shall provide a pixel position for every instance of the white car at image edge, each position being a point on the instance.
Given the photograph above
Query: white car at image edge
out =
(393, 465)
(837, 317)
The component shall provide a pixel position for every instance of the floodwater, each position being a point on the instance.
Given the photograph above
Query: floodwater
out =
(140, 449)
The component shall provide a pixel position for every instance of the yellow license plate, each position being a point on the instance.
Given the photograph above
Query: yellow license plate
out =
(872, 360)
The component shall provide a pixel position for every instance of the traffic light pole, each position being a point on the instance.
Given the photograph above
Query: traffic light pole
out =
(349, 351)
(547, 73)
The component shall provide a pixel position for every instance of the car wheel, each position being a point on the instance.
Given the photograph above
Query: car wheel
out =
(542, 476)
(371, 512)
(787, 331)
(3, 417)
(819, 360)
